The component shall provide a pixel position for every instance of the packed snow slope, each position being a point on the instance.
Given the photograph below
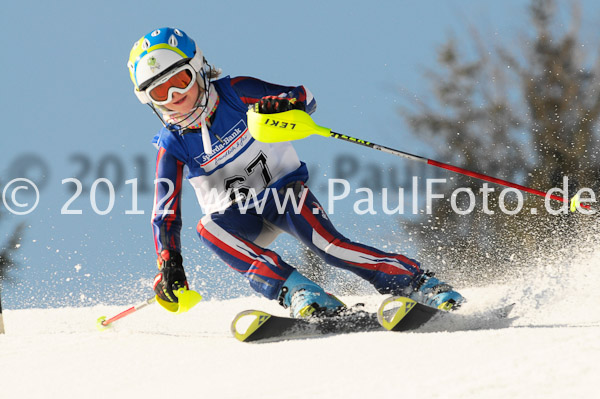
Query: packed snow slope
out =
(551, 350)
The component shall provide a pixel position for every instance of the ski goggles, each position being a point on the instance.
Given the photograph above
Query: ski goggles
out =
(179, 80)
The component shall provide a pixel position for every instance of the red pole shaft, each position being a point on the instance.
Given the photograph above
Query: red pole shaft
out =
(481, 176)
(446, 166)
(128, 311)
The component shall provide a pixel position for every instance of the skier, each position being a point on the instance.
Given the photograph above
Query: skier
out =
(206, 136)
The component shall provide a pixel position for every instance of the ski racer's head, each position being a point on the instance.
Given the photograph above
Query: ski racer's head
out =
(169, 71)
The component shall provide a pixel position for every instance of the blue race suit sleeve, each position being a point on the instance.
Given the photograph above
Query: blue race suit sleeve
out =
(166, 216)
(251, 90)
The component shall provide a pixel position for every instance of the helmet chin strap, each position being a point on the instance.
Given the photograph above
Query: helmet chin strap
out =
(151, 105)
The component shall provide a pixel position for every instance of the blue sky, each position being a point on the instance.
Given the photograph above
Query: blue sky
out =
(69, 107)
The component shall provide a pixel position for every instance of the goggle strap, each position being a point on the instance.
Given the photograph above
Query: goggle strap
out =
(198, 62)
(142, 96)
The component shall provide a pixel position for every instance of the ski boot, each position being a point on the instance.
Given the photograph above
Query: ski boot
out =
(432, 292)
(306, 298)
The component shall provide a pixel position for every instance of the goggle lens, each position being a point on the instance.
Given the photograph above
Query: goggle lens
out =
(181, 80)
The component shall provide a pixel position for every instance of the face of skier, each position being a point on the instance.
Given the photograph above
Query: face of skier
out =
(184, 103)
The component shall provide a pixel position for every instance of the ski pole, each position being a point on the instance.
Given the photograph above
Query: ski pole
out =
(296, 124)
(186, 299)
(103, 323)
(1, 319)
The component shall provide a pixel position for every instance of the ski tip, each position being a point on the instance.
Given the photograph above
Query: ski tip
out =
(392, 311)
(246, 323)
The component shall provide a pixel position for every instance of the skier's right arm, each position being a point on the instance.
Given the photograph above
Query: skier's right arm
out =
(166, 223)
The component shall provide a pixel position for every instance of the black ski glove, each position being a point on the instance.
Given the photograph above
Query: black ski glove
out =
(272, 104)
(171, 275)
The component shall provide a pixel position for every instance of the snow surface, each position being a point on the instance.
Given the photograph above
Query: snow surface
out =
(550, 351)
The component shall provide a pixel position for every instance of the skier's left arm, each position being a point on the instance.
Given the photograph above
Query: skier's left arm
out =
(271, 96)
